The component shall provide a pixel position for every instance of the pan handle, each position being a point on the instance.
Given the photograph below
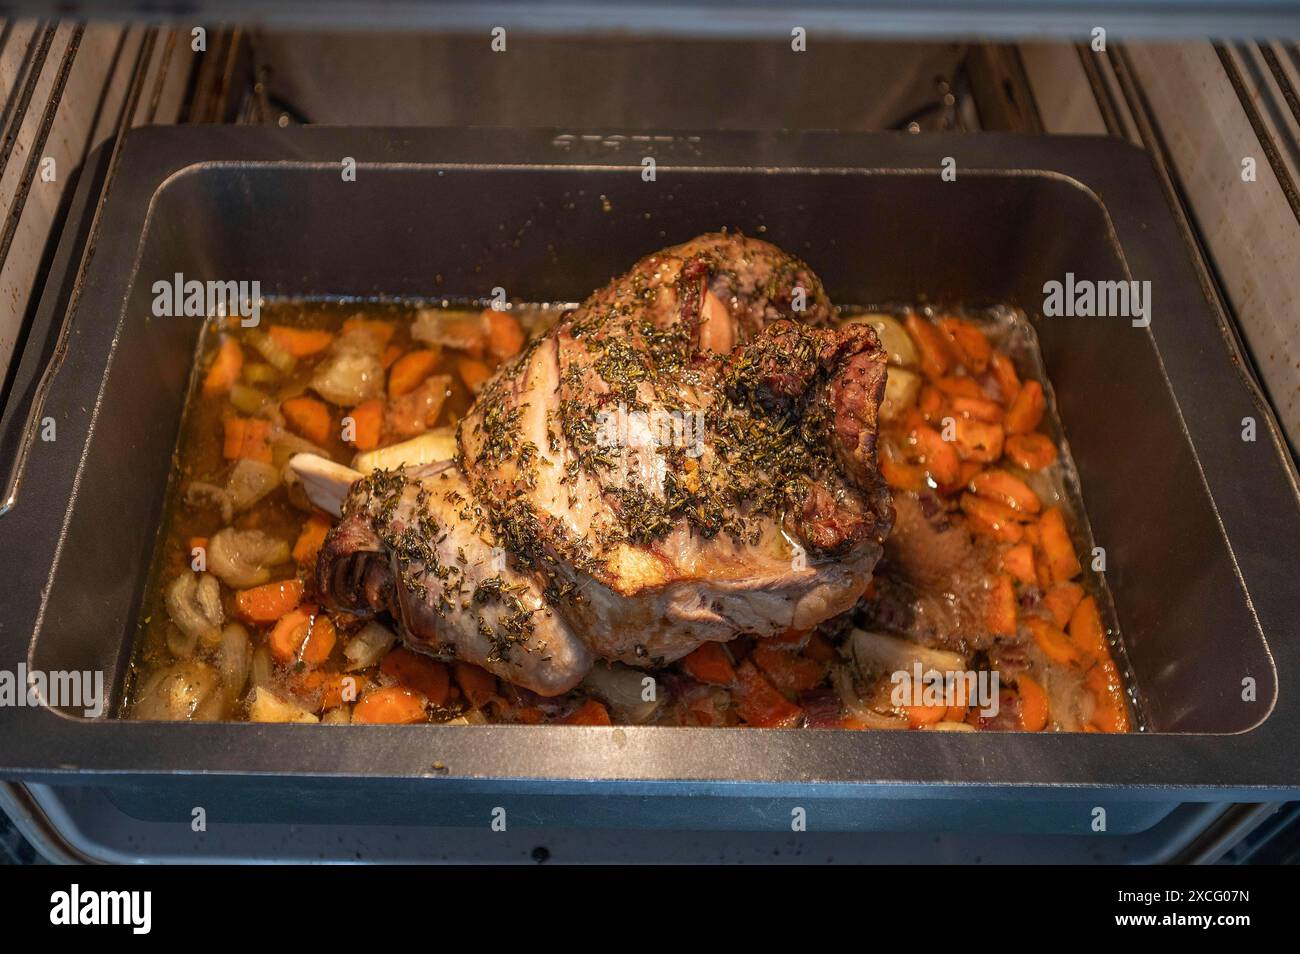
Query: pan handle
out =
(38, 357)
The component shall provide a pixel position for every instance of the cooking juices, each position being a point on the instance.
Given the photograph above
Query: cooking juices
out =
(988, 611)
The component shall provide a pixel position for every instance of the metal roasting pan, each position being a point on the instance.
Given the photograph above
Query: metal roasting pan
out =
(1201, 528)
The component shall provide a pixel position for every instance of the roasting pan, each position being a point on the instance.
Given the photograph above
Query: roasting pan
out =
(1201, 528)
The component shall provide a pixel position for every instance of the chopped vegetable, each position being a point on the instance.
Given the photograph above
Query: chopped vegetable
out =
(392, 705)
(932, 346)
(991, 519)
(709, 663)
(268, 602)
(473, 372)
(410, 370)
(1008, 490)
(978, 440)
(1004, 372)
(1055, 645)
(505, 337)
(243, 558)
(590, 712)
(1025, 412)
(368, 646)
(416, 671)
(303, 635)
(1033, 704)
(969, 344)
(367, 423)
(247, 438)
(1061, 600)
(265, 706)
(300, 342)
(759, 703)
(1019, 562)
(1000, 610)
(275, 354)
(1030, 451)
(479, 685)
(224, 372)
(1086, 631)
(308, 417)
(1057, 546)
(380, 332)
(310, 540)
(789, 671)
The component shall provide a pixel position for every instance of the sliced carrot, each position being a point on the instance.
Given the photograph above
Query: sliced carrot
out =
(1006, 489)
(1055, 645)
(380, 331)
(899, 474)
(1086, 631)
(590, 712)
(300, 342)
(1110, 713)
(473, 372)
(390, 355)
(1057, 546)
(528, 715)
(918, 716)
(411, 369)
(932, 346)
(391, 705)
(268, 602)
(709, 663)
(303, 635)
(789, 671)
(310, 540)
(759, 703)
(479, 685)
(1025, 412)
(991, 519)
(1019, 562)
(938, 455)
(417, 671)
(1004, 373)
(978, 440)
(309, 418)
(968, 342)
(247, 438)
(1000, 608)
(197, 543)
(225, 369)
(505, 336)
(980, 408)
(332, 689)
(1030, 451)
(1061, 599)
(931, 403)
(368, 424)
(959, 385)
(1034, 710)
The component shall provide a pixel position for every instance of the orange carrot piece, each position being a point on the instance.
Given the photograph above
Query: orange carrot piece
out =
(980, 408)
(1000, 608)
(931, 404)
(1004, 373)
(759, 703)
(1008, 490)
(308, 418)
(310, 540)
(919, 715)
(977, 440)
(590, 712)
(300, 342)
(1057, 546)
(268, 602)
(303, 635)
(1110, 713)
(417, 671)
(899, 474)
(225, 369)
(247, 438)
(959, 385)
(1030, 451)
(391, 705)
(1086, 631)
(1026, 410)
(479, 685)
(968, 342)
(410, 370)
(1055, 645)
(820, 649)
(1061, 599)
(473, 372)
(938, 455)
(932, 346)
(1034, 709)
(380, 331)
(789, 671)
(1019, 562)
(709, 663)
(368, 424)
(991, 519)
(505, 336)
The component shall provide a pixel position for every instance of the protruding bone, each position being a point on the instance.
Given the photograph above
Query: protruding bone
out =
(327, 483)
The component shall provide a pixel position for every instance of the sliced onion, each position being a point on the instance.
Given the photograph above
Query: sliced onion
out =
(842, 679)
(371, 643)
(235, 660)
(243, 558)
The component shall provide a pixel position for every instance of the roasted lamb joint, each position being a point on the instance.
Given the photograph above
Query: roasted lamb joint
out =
(688, 456)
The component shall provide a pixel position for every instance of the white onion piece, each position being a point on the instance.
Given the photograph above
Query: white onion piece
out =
(183, 692)
(243, 558)
(265, 706)
(876, 653)
(368, 646)
(194, 604)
